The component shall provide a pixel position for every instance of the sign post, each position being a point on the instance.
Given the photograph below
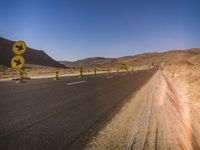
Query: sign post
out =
(56, 75)
(124, 67)
(81, 72)
(95, 72)
(18, 61)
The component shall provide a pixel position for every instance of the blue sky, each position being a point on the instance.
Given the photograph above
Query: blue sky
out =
(75, 29)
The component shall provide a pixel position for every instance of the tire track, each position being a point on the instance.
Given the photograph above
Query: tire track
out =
(173, 129)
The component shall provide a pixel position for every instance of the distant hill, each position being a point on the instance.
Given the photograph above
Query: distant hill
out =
(32, 56)
(177, 57)
(90, 62)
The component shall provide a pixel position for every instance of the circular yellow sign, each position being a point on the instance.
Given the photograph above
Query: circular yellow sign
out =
(19, 47)
(17, 62)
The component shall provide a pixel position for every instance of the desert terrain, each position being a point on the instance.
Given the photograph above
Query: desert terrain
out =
(144, 101)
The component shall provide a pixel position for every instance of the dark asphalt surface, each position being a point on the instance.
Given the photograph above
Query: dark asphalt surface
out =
(44, 114)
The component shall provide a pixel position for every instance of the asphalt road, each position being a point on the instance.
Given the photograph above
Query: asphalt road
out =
(45, 114)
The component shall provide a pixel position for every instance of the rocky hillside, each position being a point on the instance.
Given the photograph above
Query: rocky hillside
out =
(178, 57)
(32, 56)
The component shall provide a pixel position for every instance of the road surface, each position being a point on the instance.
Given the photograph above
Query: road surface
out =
(47, 114)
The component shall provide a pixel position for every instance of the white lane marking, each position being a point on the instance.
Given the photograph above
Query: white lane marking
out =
(109, 77)
(77, 82)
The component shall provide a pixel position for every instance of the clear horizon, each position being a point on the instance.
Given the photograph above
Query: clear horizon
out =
(72, 30)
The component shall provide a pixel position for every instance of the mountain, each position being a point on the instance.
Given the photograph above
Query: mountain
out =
(177, 57)
(39, 57)
(32, 56)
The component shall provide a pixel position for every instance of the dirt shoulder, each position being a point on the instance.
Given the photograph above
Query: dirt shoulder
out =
(158, 117)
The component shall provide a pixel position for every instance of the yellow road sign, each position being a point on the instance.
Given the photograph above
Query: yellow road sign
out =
(17, 62)
(19, 47)
(95, 72)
